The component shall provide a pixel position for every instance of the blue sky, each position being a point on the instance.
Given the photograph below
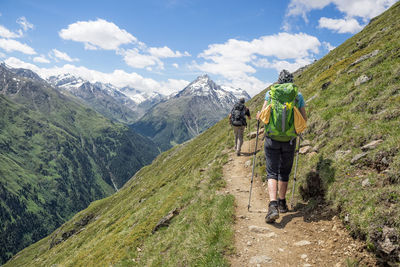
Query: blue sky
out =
(157, 45)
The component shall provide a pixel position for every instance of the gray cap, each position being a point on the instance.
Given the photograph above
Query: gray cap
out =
(242, 100)
(285, 77)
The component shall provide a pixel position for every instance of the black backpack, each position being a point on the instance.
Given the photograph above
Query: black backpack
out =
(238, 114)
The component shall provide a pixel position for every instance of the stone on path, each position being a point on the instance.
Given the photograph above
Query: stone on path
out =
(257, 229)
(302, 243)
(270, 235)
(260, 259)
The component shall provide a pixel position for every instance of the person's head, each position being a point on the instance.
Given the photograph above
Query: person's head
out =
(242, 100)
(285, 77)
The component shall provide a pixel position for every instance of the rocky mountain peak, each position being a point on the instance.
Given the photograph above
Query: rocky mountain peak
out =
(66, 81)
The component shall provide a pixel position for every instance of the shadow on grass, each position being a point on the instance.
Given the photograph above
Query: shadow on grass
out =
(313, 191)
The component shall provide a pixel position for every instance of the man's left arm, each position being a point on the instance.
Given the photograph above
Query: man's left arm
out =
(248, 113)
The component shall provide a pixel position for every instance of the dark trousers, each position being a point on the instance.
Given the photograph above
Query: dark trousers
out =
(279, 158)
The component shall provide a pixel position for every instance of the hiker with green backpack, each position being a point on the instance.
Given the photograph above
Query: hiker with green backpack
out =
(284, 116)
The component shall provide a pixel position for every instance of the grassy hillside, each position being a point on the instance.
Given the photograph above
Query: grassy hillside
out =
(56, 156)
(345, 114)
(119, 229)
(185, 182)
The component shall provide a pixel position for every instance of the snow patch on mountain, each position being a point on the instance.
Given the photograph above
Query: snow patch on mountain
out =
(203, 86)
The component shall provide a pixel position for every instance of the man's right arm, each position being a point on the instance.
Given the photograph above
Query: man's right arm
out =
(264, 106)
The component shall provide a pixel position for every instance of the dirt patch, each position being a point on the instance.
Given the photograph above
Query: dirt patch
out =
(304, 237)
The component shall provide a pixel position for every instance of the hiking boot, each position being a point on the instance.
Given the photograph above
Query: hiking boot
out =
(273, 212)
(282, 206)
(237, 153)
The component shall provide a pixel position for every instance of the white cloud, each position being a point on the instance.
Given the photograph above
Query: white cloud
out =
(135, 59)
(139, 59)
(2, 55)
(352, 11)
(363, 8)
(10, 45)
(176, 65)
(17, 63)
(24, 23)
(290, 65)
(302, 7)
(355, 8)
(41, 59)
(340, 25)
(6, 33)
(236, 60)
(99, 34)
(328, 46)
(166, 52)
(251, 84)
(118, 78)
(62, 55)
(172, 86)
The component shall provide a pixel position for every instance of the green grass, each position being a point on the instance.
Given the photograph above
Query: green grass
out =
(188, 177)
(56, 156)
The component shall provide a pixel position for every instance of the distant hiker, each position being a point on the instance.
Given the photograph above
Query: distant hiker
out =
(284, 116)
(237, 118)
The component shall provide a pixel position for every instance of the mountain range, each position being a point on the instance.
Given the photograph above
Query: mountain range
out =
(56, 156)
(177, 212)
(188, 113)
(125, 105)
(72, 154)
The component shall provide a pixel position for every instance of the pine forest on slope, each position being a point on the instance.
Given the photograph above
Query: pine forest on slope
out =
(359, 179)
(56, 156)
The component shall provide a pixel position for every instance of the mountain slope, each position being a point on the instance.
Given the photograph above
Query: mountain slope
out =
(344, 115)
(121, 229)
(56, 157)
(353, 130)
(104, 98)
(194, 109)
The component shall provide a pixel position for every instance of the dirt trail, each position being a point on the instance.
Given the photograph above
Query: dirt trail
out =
(297, 238)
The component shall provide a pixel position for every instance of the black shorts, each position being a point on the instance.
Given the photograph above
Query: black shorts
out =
(279, 158)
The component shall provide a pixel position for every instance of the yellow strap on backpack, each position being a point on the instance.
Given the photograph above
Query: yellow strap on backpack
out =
(265, 114)
(300, 123)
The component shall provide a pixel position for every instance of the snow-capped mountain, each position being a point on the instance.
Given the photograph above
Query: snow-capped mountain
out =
(237, 92)
(66, 81)
(104, 98)
(139, 97)
(189, 112)
(203, 86)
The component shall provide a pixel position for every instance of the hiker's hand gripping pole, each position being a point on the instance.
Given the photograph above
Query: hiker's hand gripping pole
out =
(254, 164)
(295, 171)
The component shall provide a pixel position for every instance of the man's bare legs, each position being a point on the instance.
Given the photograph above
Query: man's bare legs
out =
(273, 188)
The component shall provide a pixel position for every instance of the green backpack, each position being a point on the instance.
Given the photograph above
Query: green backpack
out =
(283, 97)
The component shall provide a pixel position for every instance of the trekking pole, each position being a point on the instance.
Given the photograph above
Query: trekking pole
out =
(248, 132)
(295, 171)
(254, 164)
